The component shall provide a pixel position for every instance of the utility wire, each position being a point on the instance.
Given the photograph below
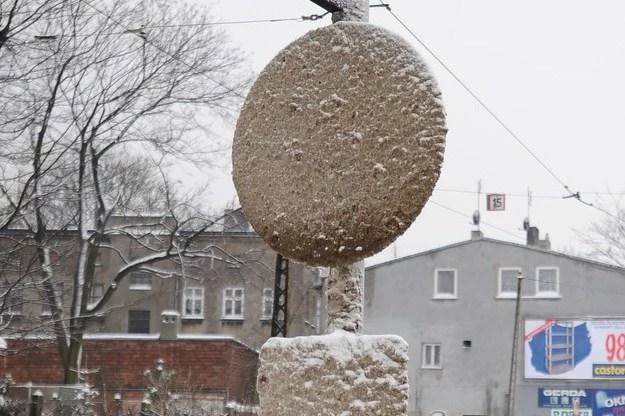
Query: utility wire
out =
(570, 194)
(241, 22)
(161, 49)
(476, 98)
(455, 211)
(468, 191)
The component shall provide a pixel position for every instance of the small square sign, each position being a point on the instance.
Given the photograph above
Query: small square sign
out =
(495, 202)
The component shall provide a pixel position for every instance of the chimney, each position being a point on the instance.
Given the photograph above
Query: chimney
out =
(533, 239)
(532, 236)
(170, 325)
(476, 234)
(545, 243)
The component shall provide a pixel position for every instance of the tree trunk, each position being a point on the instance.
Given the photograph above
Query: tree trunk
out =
(72, 360)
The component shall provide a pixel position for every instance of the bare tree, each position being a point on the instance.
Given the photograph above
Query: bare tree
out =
(114, 96)
(606, 236)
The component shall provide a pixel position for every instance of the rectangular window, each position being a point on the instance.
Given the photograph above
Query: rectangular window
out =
(140, 281)
(445, 284)
(46, 307)
(193, 302)
(13, 301)
(97, 291)
(267, 311)
(508, 283)
(138, 322)
(233, 303)
(547, 282)
(431, 355)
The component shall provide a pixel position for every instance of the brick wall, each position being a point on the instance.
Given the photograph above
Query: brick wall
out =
(219, 365)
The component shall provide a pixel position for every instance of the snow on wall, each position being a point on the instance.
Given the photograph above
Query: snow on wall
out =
(339, 144)
(336, 374)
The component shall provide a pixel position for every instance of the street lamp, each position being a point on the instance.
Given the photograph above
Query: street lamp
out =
(515, 346)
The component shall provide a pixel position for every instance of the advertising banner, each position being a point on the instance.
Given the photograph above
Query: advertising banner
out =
(565, 398)
(609, 402)
(582, 402)
(575, 349)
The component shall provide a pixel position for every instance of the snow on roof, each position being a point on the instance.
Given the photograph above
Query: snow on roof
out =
(122, 336)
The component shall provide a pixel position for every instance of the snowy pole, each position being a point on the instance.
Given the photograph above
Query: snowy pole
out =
(345, 282)
(345, 298)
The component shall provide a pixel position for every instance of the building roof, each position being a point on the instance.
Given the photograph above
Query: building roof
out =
(498, 242)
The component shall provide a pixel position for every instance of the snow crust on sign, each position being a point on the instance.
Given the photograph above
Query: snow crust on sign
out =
(338, 373)
(339, 144)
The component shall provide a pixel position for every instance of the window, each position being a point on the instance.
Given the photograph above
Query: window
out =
(55, 257)
(138, 322)
(508, 283)
(97, 291)
(140, 281)
(12, 301)
(193, 303)
(233, 303)
(267, 311)
(46, 307)
(547, 281)
(431, 356)
(445, 284)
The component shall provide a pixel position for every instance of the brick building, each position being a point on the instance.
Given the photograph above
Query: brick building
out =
(215, 372)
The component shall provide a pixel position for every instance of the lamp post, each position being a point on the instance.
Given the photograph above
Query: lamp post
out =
(515, 347)
(118, 404)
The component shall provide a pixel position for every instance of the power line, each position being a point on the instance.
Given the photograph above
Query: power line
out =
(241, 22)
(162, 50)
(512, 194)
(471, 192)
(455, 211)
(571, 194)
(476, 98)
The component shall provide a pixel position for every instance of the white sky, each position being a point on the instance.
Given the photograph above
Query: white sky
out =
(552, 71)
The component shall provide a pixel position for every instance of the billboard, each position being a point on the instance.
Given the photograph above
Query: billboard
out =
(575, 349)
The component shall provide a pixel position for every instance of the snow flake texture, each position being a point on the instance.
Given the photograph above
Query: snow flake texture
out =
(335, 374)
(339, 144)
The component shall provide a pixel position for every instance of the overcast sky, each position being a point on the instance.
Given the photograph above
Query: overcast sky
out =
(551, 71)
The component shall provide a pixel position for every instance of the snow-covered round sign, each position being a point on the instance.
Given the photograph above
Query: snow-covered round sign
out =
(339, 144)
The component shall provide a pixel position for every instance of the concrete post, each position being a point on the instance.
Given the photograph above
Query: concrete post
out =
(36, 403)
(345, 282)
(146, 408)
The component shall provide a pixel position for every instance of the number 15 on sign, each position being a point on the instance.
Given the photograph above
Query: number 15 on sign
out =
(495, 202)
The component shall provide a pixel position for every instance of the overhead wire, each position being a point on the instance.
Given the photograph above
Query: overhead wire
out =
(512, 194)
(517, 138)
(455, 211)
(163, 50)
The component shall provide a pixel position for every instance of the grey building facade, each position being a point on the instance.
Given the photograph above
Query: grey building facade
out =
(455, 306)
(227, 289)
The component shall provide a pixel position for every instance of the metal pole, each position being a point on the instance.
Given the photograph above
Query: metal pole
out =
(515, 348)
